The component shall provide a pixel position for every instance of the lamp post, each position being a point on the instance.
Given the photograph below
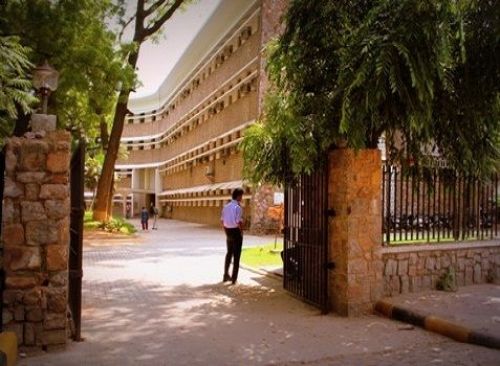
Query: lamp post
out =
(45, 80)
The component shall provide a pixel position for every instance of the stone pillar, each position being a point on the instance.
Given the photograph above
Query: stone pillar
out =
(262, 199)
(355, 231)
(35, 237)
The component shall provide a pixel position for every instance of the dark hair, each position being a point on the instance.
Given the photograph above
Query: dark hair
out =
(238, 192)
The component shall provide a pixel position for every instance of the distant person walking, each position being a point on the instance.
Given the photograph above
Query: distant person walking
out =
(154, 212)
(144, 218)
(232, 222)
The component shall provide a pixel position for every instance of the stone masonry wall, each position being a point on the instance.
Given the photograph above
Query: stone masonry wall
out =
(355, 231)
(419, 268)
(35, 238)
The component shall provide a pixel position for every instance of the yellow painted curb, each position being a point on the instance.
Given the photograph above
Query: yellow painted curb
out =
(447, 328)
(8, 345)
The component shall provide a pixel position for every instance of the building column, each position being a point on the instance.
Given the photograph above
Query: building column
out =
(158, 187)
(355, 232)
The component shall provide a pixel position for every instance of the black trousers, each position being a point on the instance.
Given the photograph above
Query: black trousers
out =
(234, 241)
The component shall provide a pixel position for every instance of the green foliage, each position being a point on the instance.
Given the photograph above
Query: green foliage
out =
(423, 74)
(262, 256)
(115, 225)
(15, 87)
(447, 281)
(74, 37)
(118, 225)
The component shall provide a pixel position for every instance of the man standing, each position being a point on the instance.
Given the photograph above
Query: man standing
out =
(232, 222)
(144, 218)
(154, 212)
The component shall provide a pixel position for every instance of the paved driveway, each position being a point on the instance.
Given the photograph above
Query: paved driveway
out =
(157, 300)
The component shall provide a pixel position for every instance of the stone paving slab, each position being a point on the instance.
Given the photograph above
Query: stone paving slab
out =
(161, 302)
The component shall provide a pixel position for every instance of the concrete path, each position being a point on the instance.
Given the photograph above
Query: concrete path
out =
(158, 300)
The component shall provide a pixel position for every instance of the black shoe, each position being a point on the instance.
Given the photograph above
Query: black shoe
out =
(226, 278)
(233, 281)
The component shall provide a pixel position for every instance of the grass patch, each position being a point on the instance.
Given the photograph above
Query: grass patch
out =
(262, 256)
(115, 225)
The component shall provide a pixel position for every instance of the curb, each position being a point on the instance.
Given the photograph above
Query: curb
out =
(8, 348)
(437, 325)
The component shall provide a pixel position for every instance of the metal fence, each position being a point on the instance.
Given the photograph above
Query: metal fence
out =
(438, 205)
(305, 254)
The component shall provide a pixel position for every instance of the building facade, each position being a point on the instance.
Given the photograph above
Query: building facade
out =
(182, 142)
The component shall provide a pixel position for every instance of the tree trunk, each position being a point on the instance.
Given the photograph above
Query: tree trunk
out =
(104, 187)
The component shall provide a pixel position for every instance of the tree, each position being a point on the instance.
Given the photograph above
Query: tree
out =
(148, 18)
(74, 37)
(347, 72)
(15, 96)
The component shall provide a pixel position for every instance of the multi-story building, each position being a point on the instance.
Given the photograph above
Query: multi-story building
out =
(182, 142)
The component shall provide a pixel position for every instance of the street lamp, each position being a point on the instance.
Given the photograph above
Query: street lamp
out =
(45, 79)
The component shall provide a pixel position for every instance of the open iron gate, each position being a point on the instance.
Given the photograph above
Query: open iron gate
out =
(305, 253)
(76, 238)
(2, 272)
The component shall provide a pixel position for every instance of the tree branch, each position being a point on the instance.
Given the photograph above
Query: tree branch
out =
(157, 25)
(154, 7)
(125, 25)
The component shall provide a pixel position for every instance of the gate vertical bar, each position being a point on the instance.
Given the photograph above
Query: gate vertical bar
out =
(76, 237)
(2, 272)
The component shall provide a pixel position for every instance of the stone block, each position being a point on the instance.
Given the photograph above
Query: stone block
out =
(19, 313)
(29, 334)
(32, 211)
(41, 232)
(469, 275)
(430, 264)
(59, 279)
(357, 266)
(390, 267)
(22, 258)
(7, 316)
(427, 283)
(19, 282)
(405, 284)
(13, 234)
(57, 209)
(12, 189)
(12, 297)
(415, 284)
(57, 257)
(31, 191)
(10, 212)
(33, 297)
(403, 268)
(58, 179)
(63, 236)
(58, 162)
(54, 321)
(54, 191)
(51, 337)
(477, 273)
(56, 299)
(33, 155)
(43, 122)
(10, 161)
(34, 314)
(31, 177)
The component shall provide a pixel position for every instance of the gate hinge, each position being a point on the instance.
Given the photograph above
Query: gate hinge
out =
(330, 212)
(330, 265)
